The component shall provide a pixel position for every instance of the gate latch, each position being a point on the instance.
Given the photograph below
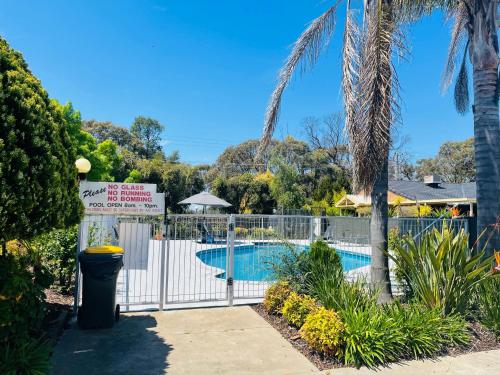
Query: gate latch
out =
(229, 281)
(231, 227)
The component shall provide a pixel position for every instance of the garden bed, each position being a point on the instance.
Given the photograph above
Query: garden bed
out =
(57, 313)
(481, 340)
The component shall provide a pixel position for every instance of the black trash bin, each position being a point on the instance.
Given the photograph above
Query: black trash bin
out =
(100, 266)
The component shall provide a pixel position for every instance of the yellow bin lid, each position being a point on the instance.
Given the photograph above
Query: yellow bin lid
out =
(104, 249)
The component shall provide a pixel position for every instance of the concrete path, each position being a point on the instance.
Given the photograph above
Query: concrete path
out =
(482, 363)
(216, 341)
(203, 341)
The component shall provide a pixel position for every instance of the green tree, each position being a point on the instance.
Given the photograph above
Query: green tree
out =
(134, 177)
(102, 131)
(258, 198)
(285, 186)
(247, 193)
(86, 145)
(113, 167)
(148, 131)
(454, 162)
(237, 160)
(233, 190)
(180, 181)
(294, 153)
(38, 186)
(220, 189)
(174, 157)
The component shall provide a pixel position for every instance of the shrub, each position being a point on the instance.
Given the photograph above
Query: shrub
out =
(444, 213)
(38, 187)
(395, 240)
(381, 334)
(291, 265)
(371, 338)
(324, 268)
(31, 356)
(426, 331)
(419, 328)
(305, 269)
(241, 232)
(325, 281)
(57, 251)
(323, 331)
(346, 295)
(297, 307)
(324, 260)
(489, 304)
(275, 297)
(22, 310)
(441, 269)
(22, 299)
(258, 233)
(453, 330)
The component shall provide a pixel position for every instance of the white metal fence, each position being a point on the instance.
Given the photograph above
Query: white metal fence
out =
(208, 260)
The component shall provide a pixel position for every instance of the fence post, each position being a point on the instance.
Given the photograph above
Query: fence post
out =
(467, 231)
(163, 271)
(262, 228)
(230, 261)
(169, 229)
(311, 229)
(77, 271)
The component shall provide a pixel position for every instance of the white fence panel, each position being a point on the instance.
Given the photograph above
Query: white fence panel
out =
(213, 260)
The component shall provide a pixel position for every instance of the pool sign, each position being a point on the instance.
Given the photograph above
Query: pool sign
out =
(113, 198)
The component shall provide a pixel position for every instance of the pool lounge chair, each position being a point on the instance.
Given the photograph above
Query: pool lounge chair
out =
(328, 235)
(208, 235)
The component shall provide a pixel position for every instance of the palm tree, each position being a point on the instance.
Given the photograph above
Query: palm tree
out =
(474, 38)
(476, 22)
(369, 89)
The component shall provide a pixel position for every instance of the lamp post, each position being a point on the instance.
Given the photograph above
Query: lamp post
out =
(83, 166)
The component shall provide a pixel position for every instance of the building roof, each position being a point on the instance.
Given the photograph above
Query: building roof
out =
(352, 200)
(418, 191)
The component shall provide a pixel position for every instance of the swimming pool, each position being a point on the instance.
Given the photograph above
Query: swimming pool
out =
(253, 262)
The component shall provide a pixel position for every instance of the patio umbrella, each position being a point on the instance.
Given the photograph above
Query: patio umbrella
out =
(205, 199)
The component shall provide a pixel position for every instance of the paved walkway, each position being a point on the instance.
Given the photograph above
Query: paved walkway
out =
(483, 363)
(215, 341)
(201, 341)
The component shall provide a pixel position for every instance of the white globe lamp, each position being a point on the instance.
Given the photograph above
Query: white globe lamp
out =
(83, 167)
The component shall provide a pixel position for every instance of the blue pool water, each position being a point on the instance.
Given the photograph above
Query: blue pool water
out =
(253, 262)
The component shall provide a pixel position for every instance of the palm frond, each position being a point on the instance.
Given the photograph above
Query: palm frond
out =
(413, 10)
(459, 37)
(377, 107)
(350, 66)
(462, 100)
(306, 50)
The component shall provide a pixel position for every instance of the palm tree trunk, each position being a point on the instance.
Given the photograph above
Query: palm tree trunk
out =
(484, 58)
(378, 236)
(487, 154)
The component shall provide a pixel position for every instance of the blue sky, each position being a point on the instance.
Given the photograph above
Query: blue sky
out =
(205, 69)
